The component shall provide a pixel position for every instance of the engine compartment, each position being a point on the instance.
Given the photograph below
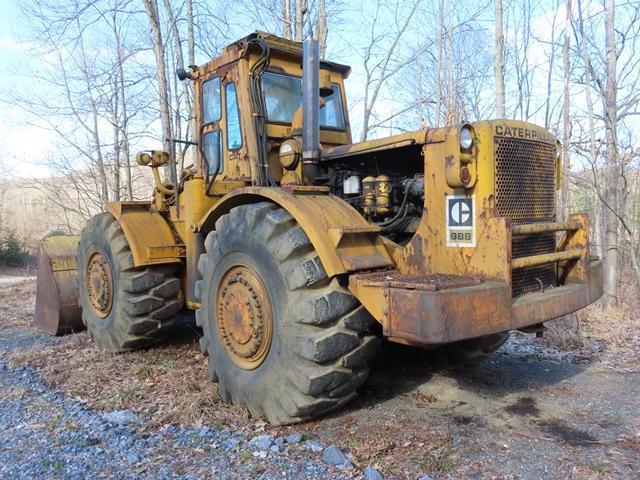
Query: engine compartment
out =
(386, 187)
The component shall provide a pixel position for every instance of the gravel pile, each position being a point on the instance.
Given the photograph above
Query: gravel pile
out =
(44, 434)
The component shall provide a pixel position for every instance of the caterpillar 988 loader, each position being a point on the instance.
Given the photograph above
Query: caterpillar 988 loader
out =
(298, 249)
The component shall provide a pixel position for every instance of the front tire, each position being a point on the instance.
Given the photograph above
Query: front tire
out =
(283, 339)
(123, 307)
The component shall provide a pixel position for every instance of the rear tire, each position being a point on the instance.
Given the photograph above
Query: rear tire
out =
(123, 307)
(319, 341)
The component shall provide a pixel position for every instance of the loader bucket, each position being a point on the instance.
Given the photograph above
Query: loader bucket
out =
(57, 309)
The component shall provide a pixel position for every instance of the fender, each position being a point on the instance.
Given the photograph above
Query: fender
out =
(150, 237)
(343, 239)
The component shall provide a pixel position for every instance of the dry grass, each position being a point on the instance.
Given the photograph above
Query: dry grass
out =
(609, 331)
(17, 305)
(166, 385)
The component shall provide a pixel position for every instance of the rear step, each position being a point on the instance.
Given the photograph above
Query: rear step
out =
(431, 282)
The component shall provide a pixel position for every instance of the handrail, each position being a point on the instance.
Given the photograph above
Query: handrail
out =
(542, 227)
(543, 259)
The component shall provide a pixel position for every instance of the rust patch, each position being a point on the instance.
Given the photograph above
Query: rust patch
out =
(432, 282)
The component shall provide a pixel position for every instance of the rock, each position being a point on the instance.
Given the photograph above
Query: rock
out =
(3, 366)
(260, 454)
(121, 417)
(231, 443)
(293, 438)
(334, 456)
(275, 448)
(132, 458)
(279, 442)
(371, 473)
(90, 441)
(314, 446)
(261, 442)
(426, 477)
(204, 431)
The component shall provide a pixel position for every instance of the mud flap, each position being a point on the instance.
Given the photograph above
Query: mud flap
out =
(57, 308)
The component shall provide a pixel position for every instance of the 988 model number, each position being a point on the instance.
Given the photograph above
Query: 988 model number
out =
(460, 236)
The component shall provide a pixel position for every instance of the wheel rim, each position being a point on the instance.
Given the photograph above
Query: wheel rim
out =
(100, 284)
(243, 317)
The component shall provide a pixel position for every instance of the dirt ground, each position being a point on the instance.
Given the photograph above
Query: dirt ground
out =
(528, 412)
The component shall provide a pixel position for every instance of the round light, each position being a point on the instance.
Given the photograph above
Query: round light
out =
(465, 174)
(466, 138)
(290, 152)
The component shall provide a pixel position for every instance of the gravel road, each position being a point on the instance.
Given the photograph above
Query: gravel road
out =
(529, 412)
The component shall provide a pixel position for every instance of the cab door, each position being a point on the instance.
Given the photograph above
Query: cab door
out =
(210, 130)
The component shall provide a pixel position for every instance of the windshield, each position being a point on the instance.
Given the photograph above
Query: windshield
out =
(283, 96)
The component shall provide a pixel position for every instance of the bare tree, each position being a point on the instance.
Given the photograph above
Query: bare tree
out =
(379, 68)
(286, 19)
(151, 7)
(321, 29)
(612, 174)
(301, 10)
(499, 61)
(566, 114)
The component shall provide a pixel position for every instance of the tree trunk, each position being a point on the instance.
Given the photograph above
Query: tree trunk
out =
(163, 87)
(123, 123)
(322, 28)
(611, 174)
(301, 9)
(186, 93)
(286, 19)
(440, 41)
(191, 44)
(498, 63)
(566, 118)
(593, 148)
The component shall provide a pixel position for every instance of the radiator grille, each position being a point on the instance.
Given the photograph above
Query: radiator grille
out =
(525, 192)
(525, 173)
(531, 279)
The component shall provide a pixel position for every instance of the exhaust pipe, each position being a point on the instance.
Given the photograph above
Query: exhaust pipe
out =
(310, 108)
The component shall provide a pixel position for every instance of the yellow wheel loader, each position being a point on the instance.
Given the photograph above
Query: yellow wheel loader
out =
(299, 249)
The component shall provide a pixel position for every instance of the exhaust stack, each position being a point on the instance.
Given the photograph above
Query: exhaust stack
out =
(310, 108)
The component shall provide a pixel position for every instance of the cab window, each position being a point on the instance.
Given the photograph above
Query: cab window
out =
(283, 96)
(211, 101)
(234, 134)
(212, 151)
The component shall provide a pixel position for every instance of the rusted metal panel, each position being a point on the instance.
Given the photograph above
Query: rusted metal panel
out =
(576, 271)
(436, 309)
(147, 232)
(377, 145)
(164, 252)
(552, 303)
(345, 242)
(450, 314)
(57, 309)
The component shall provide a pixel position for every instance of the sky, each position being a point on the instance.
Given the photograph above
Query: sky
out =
(21, 144)
(26, 146)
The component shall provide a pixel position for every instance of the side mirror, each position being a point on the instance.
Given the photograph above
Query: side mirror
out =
(182, 74)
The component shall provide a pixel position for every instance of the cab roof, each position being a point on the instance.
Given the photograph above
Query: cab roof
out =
(284, 47)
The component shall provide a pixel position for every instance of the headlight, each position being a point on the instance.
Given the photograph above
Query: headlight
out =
(466, 138)
(289, 154)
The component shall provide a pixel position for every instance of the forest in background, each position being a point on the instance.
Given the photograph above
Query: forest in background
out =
(102, 84)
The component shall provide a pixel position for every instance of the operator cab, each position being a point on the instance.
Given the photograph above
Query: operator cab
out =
(248, 103)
